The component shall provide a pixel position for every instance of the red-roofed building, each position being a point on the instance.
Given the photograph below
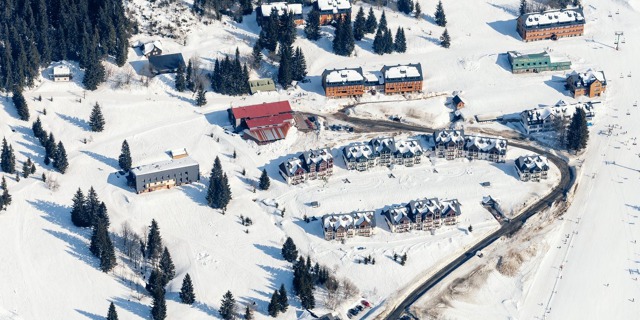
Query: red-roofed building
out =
(264, 122)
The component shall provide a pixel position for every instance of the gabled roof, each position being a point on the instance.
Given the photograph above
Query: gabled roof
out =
(448, 136)
(262, 110)
(550, 18)
(149, 46)
(277, 119)
(486, 144)
(456, 100)
(280, 7)
(166, 61)
(260, 85)
(531, 164)
(586, 78)
(61, 71)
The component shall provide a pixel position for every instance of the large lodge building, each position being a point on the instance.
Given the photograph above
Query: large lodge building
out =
(353, 82)
(552, 24)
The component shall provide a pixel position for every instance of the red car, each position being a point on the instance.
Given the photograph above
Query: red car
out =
(366, 303)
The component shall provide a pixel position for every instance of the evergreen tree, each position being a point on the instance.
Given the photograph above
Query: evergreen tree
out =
(33, 168)
(201, 100)
(405, 6)
(312, 27)
(189, 77)
(112, 314)
(50, 149)
(228, 306)
(224, 195)
(7, 158)
(523, 7)
(21, 105)
(383, 21)
(94, 74)
(283, 301)
(285, 74)
(400, 43)
(256, 55)
(216, 174)
(359, 25)
(156, 283)
(92, 206)
(180, 81)
(61, 164)
(372, 23)
(38, 132)
(265, 182)
(387, 39)
(578, 132)
(124, 160)
(274, 308)
(299, 67)
(78, 213)
(102, 247)
(96, 120)
(154, 242)
(248, 313)
(289, 250)
(166, 265)
(378, 42)
(445, 40)
(6, 197)
(287, 32)
(418, 10)
(26, 168)
(269, 34)
(108, 257)
(159, 309)
(441, 19)
(186, 292)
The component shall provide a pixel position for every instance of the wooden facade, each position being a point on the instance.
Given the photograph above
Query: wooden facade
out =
(402, 87)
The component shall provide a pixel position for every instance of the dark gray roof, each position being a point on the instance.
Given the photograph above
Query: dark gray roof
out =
(166, 63)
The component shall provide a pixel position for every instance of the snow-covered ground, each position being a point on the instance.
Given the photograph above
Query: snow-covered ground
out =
(47, 271)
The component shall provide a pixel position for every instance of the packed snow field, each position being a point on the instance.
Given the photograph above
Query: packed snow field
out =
(49, 273)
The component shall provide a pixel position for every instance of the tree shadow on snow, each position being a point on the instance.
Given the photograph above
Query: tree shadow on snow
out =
(111, 162)
(90, 315)
(59, 215)
(80, 123)
(76, 247)
(135, 307)
(510, 10)
(271, 251)
(637, 208)
(506, 27)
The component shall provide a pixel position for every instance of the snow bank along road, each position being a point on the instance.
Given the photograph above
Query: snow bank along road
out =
(567, 179)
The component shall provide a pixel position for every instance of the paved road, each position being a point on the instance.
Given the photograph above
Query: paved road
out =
(557, 193)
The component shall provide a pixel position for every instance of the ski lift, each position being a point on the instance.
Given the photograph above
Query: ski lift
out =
(618, 11)
(623, 40)
(621, 76)
(629, 75)
(635, 104)
(628, 112)
(610, 14)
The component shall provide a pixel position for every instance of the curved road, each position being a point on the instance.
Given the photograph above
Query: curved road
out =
(557, 193)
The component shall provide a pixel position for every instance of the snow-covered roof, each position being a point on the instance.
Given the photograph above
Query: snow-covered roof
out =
(373, 77)
(584, 79)
(317, 156)
(291, 166)
(408, 147)
(61, 71)
(447, 136)
(348, 220)
(280, 7)
(149, 46)
(532, 164)
(396, 214)
(402, 71)
(357, 151)
(536, 55)
(344, 76)
(382, 144)
(333, 5)
(433, 207)
(561, 109)
(486, 144)
(175, 153)
(548, 18)
(164, 166)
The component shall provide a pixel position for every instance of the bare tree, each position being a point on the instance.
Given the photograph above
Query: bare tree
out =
(349, 289)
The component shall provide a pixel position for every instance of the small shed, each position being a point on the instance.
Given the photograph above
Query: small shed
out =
(166, 63)
(61, 73)
(458, 102)
(178, 153)
(314, 204)
(262, 85)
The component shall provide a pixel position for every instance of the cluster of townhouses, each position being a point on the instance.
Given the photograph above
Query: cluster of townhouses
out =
(382, 152)
(550, 118)
(424, 214)
(329, 10)
(309, 165)
(348, 225)
(453, 144)
(532, 168)
(353, 82)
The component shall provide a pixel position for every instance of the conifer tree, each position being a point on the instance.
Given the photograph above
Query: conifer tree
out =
(378, 42)
(405, 6)
(299, 67)
(441, 19)
(154, 242)
(283, 301)
(418, 10)
(285, 74)
(180, 81)
(201, 100)
(224, 194)
(400, 43)
(578, 131)
(156, 283)
(189, 77)
(7, 158)
(112, 314)
(60, 161)
(50, 149)
(287, 30)
(372, 23)
(445, 40)
(359, 25)
(186, 292)
(21, 105)
(94, 75)
(78, 214)
(38, 132)
(387, 39)
(523, 7)
(124, 160)
(312, 27)
(216, 174)
(289, 250)
(159, 309)
(108, 257)
(33, 168)
(256, 55)
(96, 120)
(26, 168)
(248, 313)
(228, 306)
(92, 206)
(5, 199)
(265, 182)
(166, 265)
(383, 21)
(274, 308)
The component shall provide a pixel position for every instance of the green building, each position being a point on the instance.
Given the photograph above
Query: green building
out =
(536, 62)
(261, 85)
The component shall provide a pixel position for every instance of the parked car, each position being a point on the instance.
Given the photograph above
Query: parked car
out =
(366, 303)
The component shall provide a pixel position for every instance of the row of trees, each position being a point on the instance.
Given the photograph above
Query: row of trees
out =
(53, 152)
(41, 31)
(21, 104)
(230, 77)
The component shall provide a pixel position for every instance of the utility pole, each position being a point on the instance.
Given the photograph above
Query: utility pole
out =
(618, 34)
